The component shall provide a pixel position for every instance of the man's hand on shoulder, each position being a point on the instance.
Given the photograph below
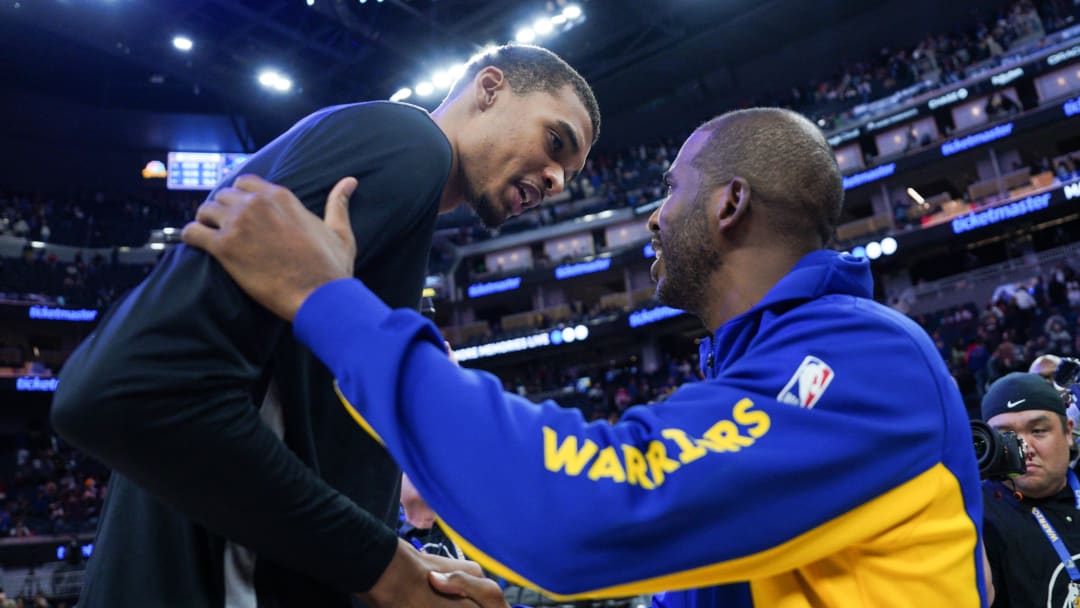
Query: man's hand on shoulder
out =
(271, 245)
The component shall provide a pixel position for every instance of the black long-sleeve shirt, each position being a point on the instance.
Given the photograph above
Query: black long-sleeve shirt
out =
(167, 391)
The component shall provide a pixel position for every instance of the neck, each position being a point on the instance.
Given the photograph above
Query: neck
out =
(745, 276)
(453, 193)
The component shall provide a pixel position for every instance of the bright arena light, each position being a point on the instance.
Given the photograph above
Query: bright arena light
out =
(311, 2)
(401, 94)
(581, 332)
(457, 71)
(873, 250)
(572, 11)
(424, 89)
(525, 35)
(558, 20)
(182, 43)
(441, 80)
(888, 245)
(568, 335)
(859, 252)
(274, 80)
(542, 26)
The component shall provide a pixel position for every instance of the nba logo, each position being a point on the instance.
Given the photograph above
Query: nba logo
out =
(808, 384)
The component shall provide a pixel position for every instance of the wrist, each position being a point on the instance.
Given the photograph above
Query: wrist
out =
(396, 580)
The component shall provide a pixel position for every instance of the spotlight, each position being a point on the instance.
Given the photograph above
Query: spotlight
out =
(581, 332)
(572, 11)
(525, 35)
(311, 2)
(888, 245)
(568, 335)
(401, 94)
(274, 80)
(457, 71)
(873, 250)
(542, 26)
(915, 196)
(558, 20)
(182, 43)
(441, 80)
(424, 89)
(859, 252)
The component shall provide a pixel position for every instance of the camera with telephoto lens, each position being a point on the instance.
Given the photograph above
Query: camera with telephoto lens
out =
(1068, 372)
(1000, 455)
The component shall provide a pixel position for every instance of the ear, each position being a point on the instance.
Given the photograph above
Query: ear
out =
(733, 204)
(488, 82)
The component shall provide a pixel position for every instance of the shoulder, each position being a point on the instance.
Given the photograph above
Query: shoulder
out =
(855, 324)
(375, 116)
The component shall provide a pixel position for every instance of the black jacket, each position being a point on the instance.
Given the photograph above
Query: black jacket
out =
(167, 392)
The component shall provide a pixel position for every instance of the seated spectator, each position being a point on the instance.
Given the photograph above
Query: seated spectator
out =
(1000, 105)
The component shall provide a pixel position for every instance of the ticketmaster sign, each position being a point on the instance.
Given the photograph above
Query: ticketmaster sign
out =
(981, 219)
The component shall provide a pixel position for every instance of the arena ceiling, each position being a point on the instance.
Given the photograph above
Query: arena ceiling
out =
(638, 54)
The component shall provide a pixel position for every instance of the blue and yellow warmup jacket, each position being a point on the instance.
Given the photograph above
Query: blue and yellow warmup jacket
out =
(826, 460)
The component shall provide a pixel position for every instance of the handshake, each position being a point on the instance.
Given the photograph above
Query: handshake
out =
(416, 579)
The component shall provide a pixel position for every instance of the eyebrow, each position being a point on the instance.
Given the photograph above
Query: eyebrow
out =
(1030, 423)
(571, 135)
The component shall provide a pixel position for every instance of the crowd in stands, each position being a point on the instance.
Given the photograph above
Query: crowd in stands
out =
(81, 283)
(604, 392)
(52, 490)
(1023, 322)
(93, 220)
(937, 60)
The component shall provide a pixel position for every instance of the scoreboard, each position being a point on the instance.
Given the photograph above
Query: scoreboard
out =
(200, 170)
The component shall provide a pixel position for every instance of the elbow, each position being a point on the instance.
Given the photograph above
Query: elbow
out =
(70, 418)
(78, 415)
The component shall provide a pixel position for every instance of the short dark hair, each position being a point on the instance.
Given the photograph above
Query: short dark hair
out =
(529, 69)
(788, 164)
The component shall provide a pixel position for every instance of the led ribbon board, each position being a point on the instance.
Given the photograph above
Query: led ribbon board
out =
(35, 384)
(956, 146)
(980, 219)
(47, 313)
(652, 315)
(484, 289)
(853, 181)
(573, 270)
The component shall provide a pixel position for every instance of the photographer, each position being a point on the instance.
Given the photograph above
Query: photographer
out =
(1032, 521)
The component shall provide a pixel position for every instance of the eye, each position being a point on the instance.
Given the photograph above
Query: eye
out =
(556, 143)
(668, 186)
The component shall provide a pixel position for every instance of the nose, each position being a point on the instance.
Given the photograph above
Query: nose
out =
(654, 219)
(554, 182)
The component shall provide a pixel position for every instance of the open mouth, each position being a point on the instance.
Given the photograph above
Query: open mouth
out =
(530, 196)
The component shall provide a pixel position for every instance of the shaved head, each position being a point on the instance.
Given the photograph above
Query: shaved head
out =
(789, 166)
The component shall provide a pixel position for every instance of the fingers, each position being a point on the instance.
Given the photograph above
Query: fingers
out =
(337, 210)
(483, 591)
(445, 564)
(252, 183)
(198, 235)
(211, 213)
